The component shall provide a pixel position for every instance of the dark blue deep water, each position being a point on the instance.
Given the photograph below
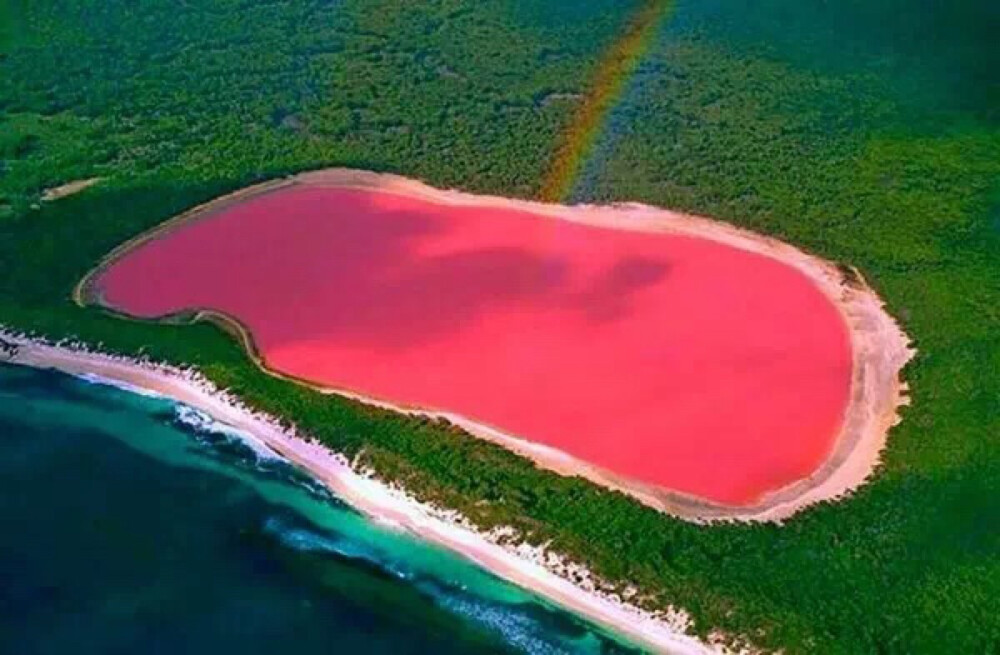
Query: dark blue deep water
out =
(127, 527)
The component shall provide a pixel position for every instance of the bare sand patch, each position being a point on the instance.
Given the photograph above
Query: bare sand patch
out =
(68, 189)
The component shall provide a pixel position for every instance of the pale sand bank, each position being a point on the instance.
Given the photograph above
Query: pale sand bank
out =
(540, 571)
(880, 349)
(68, 189)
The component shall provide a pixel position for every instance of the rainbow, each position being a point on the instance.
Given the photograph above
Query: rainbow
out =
(611, 75)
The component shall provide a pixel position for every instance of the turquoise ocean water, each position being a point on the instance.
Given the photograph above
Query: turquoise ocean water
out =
(132, 524)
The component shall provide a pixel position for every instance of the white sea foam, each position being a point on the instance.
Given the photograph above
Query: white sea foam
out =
(312, 542)
(201, 422)
(300, 539)
(515, 627)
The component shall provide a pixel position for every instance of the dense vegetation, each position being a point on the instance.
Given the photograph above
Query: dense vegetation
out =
(866, 131)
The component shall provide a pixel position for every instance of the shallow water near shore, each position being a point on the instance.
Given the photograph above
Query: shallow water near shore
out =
(131, 522)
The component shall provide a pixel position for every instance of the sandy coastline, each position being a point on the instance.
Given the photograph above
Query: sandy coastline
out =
(542, 572)
(880, 349)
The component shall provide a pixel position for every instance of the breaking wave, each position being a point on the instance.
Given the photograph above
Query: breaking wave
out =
(202, 423)
(312, 541)
(525, 626)
(240, 448)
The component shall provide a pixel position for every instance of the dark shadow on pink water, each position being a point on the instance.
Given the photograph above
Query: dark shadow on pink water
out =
(354, 279)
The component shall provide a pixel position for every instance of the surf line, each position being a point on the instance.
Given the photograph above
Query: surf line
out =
(612, 73)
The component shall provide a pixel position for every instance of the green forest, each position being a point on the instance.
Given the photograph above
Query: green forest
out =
(866, 132)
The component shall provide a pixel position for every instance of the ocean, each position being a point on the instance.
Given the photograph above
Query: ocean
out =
(130, 523)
